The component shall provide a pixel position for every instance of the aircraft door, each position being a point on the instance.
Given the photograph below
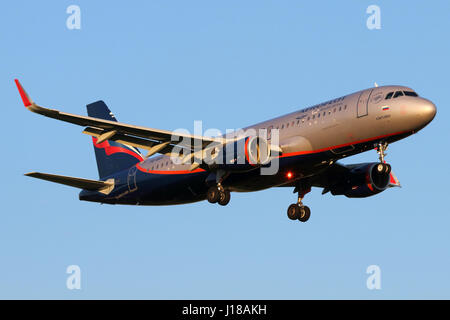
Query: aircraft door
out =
(362, 106)
(132, 186)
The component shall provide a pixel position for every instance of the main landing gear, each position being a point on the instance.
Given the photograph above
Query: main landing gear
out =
(217, 194)
(298, 211)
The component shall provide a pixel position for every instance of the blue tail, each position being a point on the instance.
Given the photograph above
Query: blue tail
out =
(111, 156)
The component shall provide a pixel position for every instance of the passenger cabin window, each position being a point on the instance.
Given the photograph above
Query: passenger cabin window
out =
(389, 95)
(398, 94)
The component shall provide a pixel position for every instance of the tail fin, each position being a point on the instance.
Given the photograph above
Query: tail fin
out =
(111, 156)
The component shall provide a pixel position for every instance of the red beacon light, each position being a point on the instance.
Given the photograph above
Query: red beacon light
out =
(289, 175)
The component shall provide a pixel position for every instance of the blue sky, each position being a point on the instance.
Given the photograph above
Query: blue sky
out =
(164, 64)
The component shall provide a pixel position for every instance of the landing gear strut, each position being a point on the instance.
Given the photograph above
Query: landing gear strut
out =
(381, 150)
(298, 211)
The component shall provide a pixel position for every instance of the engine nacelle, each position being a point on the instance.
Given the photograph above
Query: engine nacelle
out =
(364, 180)
(242, 155)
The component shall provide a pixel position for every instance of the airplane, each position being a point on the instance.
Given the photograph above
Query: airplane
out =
(310, 143)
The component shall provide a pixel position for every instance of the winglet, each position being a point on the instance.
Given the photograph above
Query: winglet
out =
(23, 94)
(393, 181)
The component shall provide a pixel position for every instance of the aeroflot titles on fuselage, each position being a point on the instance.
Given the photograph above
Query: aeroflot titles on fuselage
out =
(317, 106)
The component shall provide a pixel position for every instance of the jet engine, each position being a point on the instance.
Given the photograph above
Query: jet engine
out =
(241, 155)
(363, 180)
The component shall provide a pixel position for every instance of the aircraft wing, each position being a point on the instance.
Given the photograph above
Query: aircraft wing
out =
(110, 130)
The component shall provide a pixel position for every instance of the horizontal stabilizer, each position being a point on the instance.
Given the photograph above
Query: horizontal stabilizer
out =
(92, 185)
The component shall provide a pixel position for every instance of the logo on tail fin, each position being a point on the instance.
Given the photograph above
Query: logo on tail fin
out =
(111, 156)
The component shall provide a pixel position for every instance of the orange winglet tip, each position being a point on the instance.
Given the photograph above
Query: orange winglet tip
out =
(25, 98)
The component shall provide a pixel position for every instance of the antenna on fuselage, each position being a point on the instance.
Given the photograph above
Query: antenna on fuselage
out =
(376, 85)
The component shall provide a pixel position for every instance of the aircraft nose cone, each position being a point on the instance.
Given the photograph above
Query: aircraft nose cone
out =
(428, 111)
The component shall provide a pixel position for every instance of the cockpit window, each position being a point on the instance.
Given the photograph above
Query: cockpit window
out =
(398, 94)
(410, 94)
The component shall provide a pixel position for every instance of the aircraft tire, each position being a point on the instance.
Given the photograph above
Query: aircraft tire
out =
(224, 198)
(293, 211)
(381, 167)
(304, 214)
(213, 195)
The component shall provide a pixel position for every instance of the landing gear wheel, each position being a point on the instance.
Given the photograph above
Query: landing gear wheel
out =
(304, 213)
(380, 167)
(213, 195)
(293, 211)
(297, 211)
(384, 168)
(224, 197)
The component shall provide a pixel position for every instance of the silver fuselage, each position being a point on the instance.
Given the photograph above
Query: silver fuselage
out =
(340, 123)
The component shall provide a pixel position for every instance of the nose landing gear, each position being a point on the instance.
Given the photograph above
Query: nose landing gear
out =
(381, 150)
(298, 211)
